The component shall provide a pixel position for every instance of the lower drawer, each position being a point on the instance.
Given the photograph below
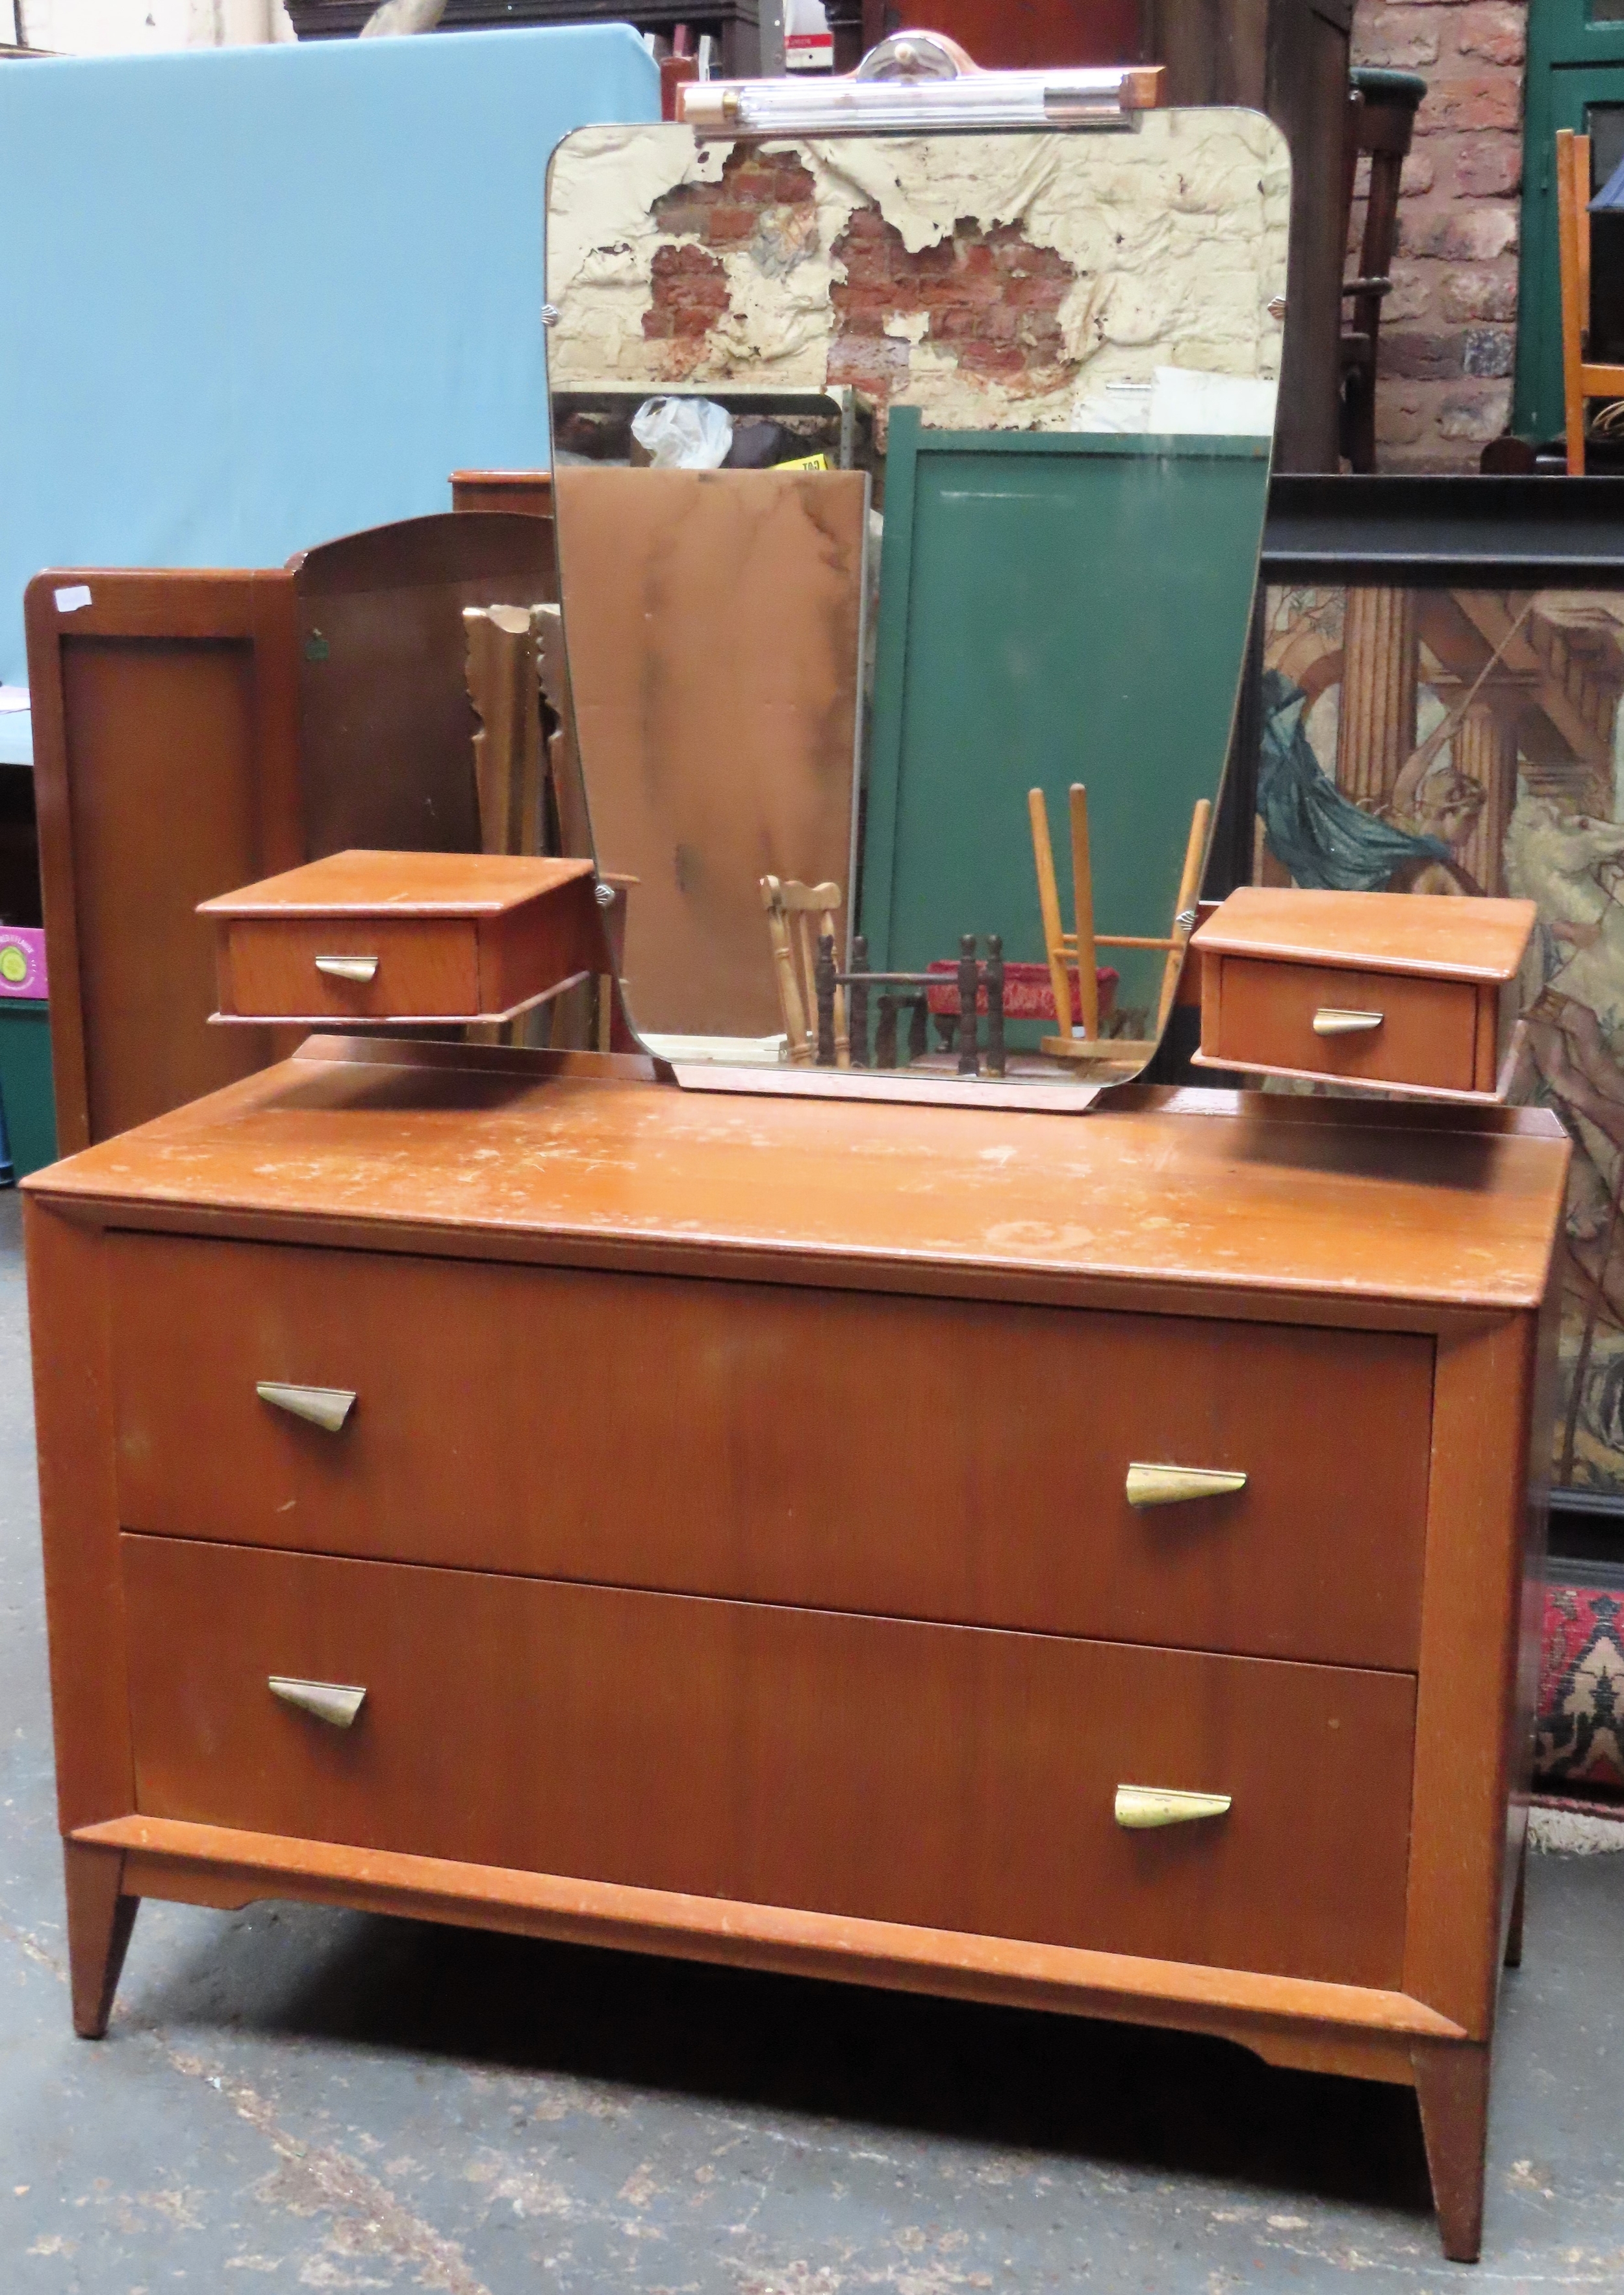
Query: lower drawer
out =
(949, 1776)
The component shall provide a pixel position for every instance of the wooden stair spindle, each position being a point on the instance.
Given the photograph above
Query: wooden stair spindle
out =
(1083, 896)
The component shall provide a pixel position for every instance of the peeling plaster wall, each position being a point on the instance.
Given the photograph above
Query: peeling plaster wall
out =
(1173, 237)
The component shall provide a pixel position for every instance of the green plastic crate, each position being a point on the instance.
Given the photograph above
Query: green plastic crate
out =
(26, 1095)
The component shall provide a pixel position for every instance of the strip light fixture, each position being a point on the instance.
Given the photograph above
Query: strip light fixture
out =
(919, 82)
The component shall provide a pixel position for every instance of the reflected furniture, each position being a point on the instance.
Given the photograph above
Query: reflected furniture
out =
(1582, 378)
(310, 1574)
(798, 917)
(1072, 955)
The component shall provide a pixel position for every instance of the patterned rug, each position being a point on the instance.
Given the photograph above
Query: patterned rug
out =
(1579, 1748)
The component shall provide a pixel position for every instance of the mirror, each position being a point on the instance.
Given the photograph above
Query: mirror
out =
(985, 424)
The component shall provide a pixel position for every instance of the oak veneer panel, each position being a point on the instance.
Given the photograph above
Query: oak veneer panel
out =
(166, 771)
(712, 614)
(1475, 1722)
(1483, 940)
(922, 1774)
(654, 1432)
(1428, 1036)
(426, 965)
(73, 1421)
(1226, 1198)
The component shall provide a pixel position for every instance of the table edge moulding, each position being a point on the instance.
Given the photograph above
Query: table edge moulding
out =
(724, 1235)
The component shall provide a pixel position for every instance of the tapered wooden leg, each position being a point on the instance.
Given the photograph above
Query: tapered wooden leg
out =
(100, 1918)
(1452, 2089)
(1513, 1933)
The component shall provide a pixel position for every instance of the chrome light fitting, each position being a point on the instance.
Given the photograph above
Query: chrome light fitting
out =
(918, 83)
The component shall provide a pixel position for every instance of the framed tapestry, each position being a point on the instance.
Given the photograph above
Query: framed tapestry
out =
(1440, 673)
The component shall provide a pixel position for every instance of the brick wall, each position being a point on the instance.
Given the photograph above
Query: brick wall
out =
(1448, 334)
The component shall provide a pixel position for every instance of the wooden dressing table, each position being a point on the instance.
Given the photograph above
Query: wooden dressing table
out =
(500, 1487)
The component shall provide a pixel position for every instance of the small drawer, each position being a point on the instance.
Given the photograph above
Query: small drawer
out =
(404, 936)
(376, 969)
(940, 1776)
(1406, 992)
(938, 1459)
(1374, 1028)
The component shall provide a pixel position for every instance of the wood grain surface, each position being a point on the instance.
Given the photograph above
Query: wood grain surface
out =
(426, 965)
(1388, 932)
(1224, 1199)
(970, 1459)
(870, 1767)
(363, 883)
(713, 620)
(1293, 2020)
(1264, 1011)
(158, 672)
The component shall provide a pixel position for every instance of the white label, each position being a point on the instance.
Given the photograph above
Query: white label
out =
(70, 600)
(14, 697)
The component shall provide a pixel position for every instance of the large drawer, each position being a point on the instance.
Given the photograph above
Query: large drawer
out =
(908, 1457)
(948, 1777)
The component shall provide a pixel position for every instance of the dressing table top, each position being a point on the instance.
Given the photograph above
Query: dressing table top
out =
(574, 1159)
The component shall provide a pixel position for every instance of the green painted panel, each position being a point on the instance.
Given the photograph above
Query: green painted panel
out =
(1052, 608)
(1575, 63)
(25, 1083)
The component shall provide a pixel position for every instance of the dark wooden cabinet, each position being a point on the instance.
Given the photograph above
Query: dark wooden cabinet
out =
(1288, 57)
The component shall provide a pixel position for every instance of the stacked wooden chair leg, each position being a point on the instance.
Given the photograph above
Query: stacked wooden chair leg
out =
(1081, 947)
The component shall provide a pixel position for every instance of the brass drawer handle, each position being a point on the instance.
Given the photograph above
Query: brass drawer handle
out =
(1143, 1808)
(1329, 1022)
(328, 1700)
(1154, 1486)
(348, 968)
(323, 1406)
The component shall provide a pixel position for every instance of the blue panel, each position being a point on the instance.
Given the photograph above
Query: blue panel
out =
(254, 298)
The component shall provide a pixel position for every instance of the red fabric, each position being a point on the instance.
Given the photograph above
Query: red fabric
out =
(1579, 1740)
(1029, 992)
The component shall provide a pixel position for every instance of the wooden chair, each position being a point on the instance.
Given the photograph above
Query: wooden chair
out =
(1580, 380)
(1079, 946)
(1381, 122)
(797, 916)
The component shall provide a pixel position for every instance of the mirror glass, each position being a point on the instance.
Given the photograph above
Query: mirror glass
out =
(897, 478)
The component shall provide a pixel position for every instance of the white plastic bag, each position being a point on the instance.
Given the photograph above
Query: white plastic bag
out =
(683, 434)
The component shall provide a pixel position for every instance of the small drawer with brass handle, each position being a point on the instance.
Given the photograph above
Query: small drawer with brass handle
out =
(1145, 1809)
(327, 1407)
(1404, 994)
(334, 1702)
(406, 936)
(1170, 1510)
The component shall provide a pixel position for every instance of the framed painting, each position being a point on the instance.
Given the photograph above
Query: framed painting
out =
(1441, 669)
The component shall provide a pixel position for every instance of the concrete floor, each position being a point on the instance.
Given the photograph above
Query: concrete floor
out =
(299, 2099)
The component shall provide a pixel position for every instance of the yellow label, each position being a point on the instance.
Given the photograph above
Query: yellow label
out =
(805, 462)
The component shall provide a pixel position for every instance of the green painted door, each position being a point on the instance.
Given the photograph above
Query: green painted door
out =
(1053, 609)
(1575, 79)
